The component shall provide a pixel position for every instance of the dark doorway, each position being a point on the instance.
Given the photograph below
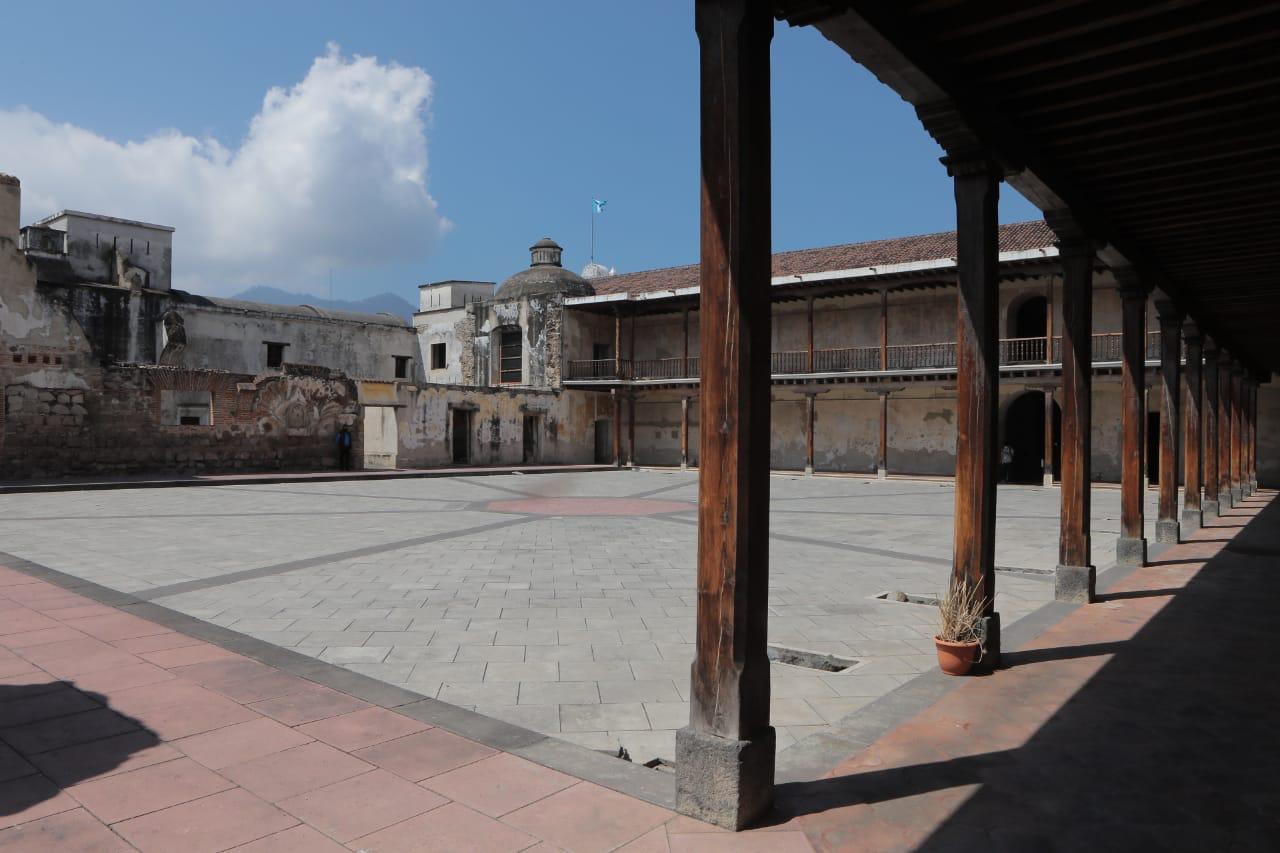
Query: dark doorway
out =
(604, 442)
(531, 436)
(1024, 434)
(1029, 318)
(461, 437)
(1153, 448)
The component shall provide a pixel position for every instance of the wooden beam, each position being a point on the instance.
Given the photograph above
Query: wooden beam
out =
(977, 191)
(725, 757)
(1131, 547)
(1192, 507)
(1170, 366)
(1209, 505)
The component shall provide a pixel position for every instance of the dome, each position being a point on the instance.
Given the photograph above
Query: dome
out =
(544, 276)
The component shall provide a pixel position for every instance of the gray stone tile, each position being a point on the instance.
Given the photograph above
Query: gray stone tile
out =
(598, 718)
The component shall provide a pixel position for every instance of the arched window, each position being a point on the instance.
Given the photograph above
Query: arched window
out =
(510, 357)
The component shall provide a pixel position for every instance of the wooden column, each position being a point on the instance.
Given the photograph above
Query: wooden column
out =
(1253, 436)
(884, 329)
(631, 429)
(617, 344)
(1209, 505)
(882, 460)
(1224, 430)
(684, 432)
(810, 411)
(1046, 458)
(1170, 367)
(617, 427)
(1192, 518)
(685, 374)
(1075, 576)
(1131, 547)
(1048, 323)
(1237, 388)
(977, 190)
(725, 756)
(810, 313)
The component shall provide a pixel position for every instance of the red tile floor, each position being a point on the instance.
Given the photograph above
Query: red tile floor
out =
(1144, 721)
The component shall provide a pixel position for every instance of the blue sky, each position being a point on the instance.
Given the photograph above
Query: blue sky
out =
(534, 109)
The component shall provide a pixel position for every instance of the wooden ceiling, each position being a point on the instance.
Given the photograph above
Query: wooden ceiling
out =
(1156, 124)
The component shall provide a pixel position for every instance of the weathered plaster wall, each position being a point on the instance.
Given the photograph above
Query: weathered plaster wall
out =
(454, 329)
(846, 431)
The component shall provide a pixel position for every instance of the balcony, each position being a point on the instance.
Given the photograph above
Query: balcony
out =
(1014, 352)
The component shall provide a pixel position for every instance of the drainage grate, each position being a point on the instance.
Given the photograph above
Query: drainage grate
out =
(810, 660)
(907, 598)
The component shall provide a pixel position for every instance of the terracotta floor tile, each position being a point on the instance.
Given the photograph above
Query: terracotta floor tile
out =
(13, 765)
(26, 623)
(362, 805)
(211, 824)
(299, 839)
(174, 691)
(653, 841)
(170, 658)
(425, 754)
(306, 706)
(216, 673)
(76, 665)
(65, 731)
(16, 666)
(43, 706)
(155, 642)
(450, 828)
(34, 682)
(108, 681)
(362, 728)
(76, 648)
(31, 798)
(104, 757)
(240, 742)
(172, 722)
(271, 685)
(499, 784)
(742, 842)
(125, 795)
(588, 818)
(41, 637)
(115, 626)
(295, 771)
(74, 830)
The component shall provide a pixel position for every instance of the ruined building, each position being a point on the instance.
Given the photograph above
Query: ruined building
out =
(107, 369)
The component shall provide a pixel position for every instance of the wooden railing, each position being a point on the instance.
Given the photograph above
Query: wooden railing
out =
(1013, 351)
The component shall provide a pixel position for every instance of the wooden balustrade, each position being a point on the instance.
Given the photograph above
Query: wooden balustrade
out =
(849, 359)
(790, 362)
(1022, 350)
(922, 356)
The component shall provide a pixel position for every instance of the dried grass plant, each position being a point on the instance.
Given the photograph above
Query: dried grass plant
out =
(960, 612)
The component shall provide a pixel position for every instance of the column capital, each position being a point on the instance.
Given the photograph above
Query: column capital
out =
(1210, 347)
(1130, 284)
(966, 154)
(1191, 332)
(1072, 239)
(1168, 312)
(1237, 369)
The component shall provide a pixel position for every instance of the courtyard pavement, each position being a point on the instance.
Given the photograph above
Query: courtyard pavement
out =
(562, 603)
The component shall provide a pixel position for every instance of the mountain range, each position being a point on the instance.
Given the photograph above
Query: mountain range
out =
(388, 302)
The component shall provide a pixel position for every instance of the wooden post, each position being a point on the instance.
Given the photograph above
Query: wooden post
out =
(1224, 430)
(884, 329)
(977, 190)
(1209, 506)
(810, 412)
(1131, 547)
(617, 344)
(631, 429)
(810, 313)
(1075, 576)
(685, 374)
(1170, 367)
(1048, 325)
(1237, 389)
(725, 756)
(1046, 460)
(1192, 518)
(684, 432)
(617, 427)
(1253, 436)
(882, 461)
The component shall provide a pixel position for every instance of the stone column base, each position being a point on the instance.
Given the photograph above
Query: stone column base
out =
(1048, 481)
(1236, 496)
(1076, 584)
(808, 470)
(1192, 519)
(1209, 508)
(1131, 552)
(989, 638)
(723, 781)
(1167, 531)
(882, 473)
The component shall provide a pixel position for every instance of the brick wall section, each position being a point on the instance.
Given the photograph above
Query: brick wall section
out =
(114, 426)
(465, 334)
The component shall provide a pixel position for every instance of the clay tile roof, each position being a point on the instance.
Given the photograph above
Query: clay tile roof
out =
(1016, 237)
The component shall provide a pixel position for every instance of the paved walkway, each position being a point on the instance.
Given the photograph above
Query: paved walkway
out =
(1142, 722)
(563, 602)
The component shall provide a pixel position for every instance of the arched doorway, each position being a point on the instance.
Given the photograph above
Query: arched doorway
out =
(1024, 434)
(1028, 318)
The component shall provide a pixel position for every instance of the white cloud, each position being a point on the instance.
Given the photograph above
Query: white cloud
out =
(332, 173)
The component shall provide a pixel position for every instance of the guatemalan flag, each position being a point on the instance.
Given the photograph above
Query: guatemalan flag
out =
(598, 204)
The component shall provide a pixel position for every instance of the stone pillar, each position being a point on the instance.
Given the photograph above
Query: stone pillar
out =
(1237, 390)
(617, 427)
(1046, 460)
(1075, 576)
(1224, 430)
(810, 415)
(1170, 367)
(1131, 547)
(882, 460)
(1209, 506)
(1192, 517)
(631, 429)
(684, 433)
(977, 190)
(725, 756)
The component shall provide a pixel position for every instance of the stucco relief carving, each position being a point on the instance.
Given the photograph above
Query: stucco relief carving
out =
(175, 337)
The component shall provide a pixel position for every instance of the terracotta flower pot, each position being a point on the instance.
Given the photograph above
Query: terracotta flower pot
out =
(956, 658)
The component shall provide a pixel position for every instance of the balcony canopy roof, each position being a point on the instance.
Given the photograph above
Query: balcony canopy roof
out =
(1153, 124)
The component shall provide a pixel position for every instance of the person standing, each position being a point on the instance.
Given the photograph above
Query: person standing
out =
(1006, 462)
(344, 448)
